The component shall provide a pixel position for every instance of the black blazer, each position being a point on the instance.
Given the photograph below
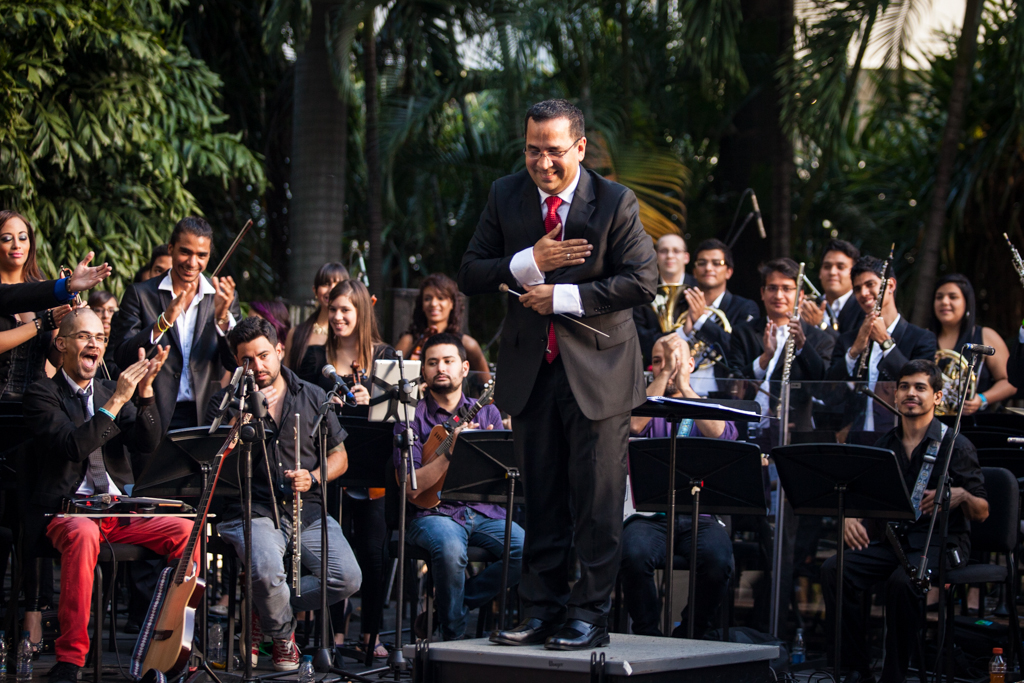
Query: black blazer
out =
(63, 439)
(130, 330)
(912, 343)
(851, 317)
(28, 296)
(739, 311)
(810, 365)
(648, 329)
(604, 372)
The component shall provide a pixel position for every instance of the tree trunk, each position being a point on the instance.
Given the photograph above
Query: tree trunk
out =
(959, 91)
(782, 176)
(372, 154)
(318, 160)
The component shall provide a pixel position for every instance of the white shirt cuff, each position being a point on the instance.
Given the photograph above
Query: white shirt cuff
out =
(231, 325)
(699, 323)
(851, 363)
(566, 299)
(524, 268)
(759, 372)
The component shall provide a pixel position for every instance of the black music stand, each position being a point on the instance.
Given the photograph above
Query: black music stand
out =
(482, 469)
(370, 446)
(714, 477)
(675, 411)
(862, 481)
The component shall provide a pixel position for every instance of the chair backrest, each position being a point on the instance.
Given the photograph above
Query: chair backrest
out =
(998, 533)
(1007, 458)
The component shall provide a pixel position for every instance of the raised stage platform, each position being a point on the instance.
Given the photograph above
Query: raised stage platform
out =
(641, 659)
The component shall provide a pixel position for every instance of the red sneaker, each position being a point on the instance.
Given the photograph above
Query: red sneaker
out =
(286, 654)
(257, 637)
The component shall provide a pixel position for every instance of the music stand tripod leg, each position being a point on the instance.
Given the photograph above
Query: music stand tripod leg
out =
(506, 553)
(838, 637)
(670, 525)
(691, 599)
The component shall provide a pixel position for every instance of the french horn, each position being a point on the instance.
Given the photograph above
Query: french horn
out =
(664, 305)
(953, 366)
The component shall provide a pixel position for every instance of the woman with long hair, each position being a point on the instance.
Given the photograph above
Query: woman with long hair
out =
(313, 330)
(437, 310)
(25, 345)
(275, 313)
(954, 322)
(353, 337)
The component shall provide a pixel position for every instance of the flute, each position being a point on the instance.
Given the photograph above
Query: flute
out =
(879, 300)
(790, 352)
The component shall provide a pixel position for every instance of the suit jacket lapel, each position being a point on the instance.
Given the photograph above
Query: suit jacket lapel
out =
(530, 211)
(581, 208)
(204, 316)
(72, 404)
(899, 331)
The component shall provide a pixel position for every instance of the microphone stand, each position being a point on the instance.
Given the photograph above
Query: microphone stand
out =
(323, 661)
(406, 473)
(943, 493)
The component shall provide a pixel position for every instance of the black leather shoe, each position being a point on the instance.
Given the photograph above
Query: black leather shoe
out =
(63, 672)
(859, 677)
(529, 632)
(578, 635)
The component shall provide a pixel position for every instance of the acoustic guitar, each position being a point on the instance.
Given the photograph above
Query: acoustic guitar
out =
(170, 643)
(440, 441)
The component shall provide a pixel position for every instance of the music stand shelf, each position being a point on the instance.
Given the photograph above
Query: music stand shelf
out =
(862, 481)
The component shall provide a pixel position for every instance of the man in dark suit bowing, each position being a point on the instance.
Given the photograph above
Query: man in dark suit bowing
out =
(758, 348)
(890, 340)
(188, 312)
(568, 389)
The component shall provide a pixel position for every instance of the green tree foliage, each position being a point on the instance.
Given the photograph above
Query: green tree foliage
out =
(104, 119)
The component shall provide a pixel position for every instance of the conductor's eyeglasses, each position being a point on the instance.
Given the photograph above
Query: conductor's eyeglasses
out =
(705, 262)
(534, 154)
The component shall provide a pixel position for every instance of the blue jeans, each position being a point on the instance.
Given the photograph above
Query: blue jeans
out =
(271, 583)
(447, 541)
(643, 550)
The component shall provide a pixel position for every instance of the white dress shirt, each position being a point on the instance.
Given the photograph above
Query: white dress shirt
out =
(186, 326)
(703, 381)
(524, 267)
(762, 398)
(873, 362)
(838, 304)
(88, 487)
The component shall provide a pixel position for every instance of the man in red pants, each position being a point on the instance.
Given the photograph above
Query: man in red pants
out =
(84, 429)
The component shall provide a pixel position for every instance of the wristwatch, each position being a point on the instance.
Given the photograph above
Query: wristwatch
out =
(312, 478)
(887, 344)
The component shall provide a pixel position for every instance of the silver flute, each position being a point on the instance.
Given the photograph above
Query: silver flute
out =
(297, 519)
(1018, 263)
(787, 365)
(879, 300)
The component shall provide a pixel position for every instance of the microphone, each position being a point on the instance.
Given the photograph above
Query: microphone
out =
(757, 215)
(979, 349)
(330, 373)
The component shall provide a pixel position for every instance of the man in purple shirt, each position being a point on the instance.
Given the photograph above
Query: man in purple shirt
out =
(643, 537)
(447, 530)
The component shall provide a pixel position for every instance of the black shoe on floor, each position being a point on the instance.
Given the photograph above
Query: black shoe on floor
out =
(578, 635)
(529, 632)
(132, 628)
(63, 672)
(859, 677)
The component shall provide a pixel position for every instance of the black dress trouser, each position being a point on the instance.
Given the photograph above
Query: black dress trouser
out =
(904, 607)
(574, 478)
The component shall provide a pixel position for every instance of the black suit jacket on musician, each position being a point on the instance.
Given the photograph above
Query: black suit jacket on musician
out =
(604, 372)
(648, 329)
(809, 365)
(28, 296)
(131, 330)
(851, 317)
(63, 438)
(912, 343)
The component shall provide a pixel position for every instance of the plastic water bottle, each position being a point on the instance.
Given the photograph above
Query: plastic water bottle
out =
(997, 666)
(24, 674)
(3, 657)
(215, 644)
(799, 649)
(306, 673)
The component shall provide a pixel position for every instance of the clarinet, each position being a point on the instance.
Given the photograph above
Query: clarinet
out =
(879, 300)
(297, 519)
(787, 365)
(1018, 263)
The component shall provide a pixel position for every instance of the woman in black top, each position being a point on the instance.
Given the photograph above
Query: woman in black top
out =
(25, 344)
(313, 330)
(955, 323)
(353, 337)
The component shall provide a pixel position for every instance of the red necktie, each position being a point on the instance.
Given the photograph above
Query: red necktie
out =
(551, 222)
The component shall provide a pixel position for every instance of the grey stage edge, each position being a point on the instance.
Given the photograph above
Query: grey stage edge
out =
(628, 658)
